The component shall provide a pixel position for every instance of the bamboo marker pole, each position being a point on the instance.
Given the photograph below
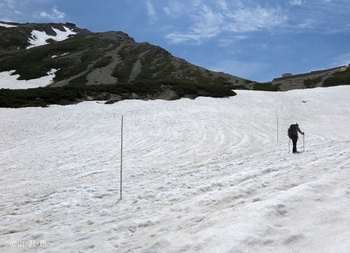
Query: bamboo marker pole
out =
(121, 159)
(277, 126)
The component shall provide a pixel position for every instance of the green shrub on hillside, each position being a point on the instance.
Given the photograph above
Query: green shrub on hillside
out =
(338, 78)
(103, 62)
(311, 83)
(185, 88)
(266, 87)
(36, 62)
(38, 96)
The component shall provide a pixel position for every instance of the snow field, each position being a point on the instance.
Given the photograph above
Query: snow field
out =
(204, 175)
(10, 81)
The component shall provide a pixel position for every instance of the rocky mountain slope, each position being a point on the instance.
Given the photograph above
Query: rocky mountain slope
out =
(320, 78)
(84, 58)
(112, 66)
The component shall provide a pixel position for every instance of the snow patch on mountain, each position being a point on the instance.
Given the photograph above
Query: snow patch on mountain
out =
(7, 25)
(10, 81)
(39, 38)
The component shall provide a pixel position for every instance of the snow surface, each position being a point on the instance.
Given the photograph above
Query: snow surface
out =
(39, 38)
(7, 25)
(54, 56)
(204, 175)
(10, 81)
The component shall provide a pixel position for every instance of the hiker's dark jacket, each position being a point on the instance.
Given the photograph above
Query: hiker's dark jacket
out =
(295, 132)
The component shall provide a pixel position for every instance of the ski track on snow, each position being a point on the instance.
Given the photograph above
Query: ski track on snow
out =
(204, 175)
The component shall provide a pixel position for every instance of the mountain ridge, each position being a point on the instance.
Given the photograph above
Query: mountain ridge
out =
(80, 59)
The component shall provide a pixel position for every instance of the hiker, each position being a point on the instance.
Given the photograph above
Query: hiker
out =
(293, 135)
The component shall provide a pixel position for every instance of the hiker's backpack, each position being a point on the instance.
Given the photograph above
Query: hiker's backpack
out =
(292, 130)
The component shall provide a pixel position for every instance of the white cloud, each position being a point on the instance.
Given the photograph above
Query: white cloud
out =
(321, 16)
(213, 18)
(306, 23)
(10, 3)
(296, 2)
(223, 5)
(174, 9)
(249, 19)
(206, 23)
(54, 15)
(178, 38)
(210, 20)
(151, 12)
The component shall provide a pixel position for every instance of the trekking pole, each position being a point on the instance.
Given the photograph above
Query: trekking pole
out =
(288, 145)
(304, 142)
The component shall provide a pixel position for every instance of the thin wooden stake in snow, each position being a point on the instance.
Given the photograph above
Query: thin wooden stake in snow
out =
(121, 160)
(277, 126)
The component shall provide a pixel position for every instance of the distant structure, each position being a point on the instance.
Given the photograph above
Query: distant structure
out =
(287, 74)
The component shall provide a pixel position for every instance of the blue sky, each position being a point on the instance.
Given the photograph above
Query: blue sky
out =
(254, 39)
